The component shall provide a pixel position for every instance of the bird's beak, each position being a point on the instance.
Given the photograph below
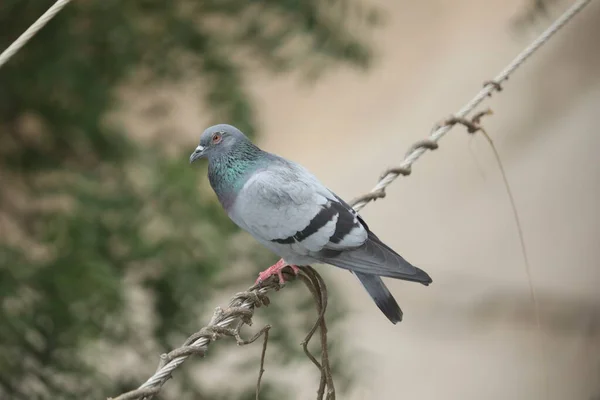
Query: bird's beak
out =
(198, 153)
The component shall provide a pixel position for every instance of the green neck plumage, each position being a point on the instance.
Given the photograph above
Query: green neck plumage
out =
(229, 172)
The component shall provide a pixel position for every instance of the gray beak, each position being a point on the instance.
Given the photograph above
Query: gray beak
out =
(198, 153)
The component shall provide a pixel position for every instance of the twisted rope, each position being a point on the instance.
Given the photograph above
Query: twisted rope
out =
(419, 148)
(223, 323)
(241, 307)
(228, 322)
(32, 30)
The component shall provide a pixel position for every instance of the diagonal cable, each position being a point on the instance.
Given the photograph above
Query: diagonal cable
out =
(31, 31)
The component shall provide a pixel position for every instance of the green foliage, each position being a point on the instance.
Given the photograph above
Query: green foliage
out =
(88, 217)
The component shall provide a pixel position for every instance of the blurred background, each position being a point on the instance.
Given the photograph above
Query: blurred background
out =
(113, 249)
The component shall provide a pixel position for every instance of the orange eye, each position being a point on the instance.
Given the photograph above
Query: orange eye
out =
(216, 138)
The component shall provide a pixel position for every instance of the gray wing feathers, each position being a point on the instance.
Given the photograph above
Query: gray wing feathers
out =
(376, 258)
(274, 204)
(285, 204)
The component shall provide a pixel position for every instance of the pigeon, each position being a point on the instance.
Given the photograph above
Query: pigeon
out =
(285, 208)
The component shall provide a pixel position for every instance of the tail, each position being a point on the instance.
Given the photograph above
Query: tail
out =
(369, 263)
(381, 296)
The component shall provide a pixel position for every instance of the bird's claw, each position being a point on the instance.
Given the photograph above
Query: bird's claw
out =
(276, 269)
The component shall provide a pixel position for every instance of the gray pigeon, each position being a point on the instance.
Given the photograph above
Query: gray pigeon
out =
(292, 214)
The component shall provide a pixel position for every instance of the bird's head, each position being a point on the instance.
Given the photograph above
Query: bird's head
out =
(217, 140)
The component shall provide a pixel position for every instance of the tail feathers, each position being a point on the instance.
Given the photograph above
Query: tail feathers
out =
(381, 296)
(376, 258)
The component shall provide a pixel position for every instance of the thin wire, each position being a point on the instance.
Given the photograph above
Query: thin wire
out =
(438, 133)
(31, 31)
(532, 292)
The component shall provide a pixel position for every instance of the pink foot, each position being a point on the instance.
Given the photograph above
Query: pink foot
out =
(276, 269)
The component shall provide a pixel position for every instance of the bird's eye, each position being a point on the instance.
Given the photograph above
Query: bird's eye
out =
(216, 138)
